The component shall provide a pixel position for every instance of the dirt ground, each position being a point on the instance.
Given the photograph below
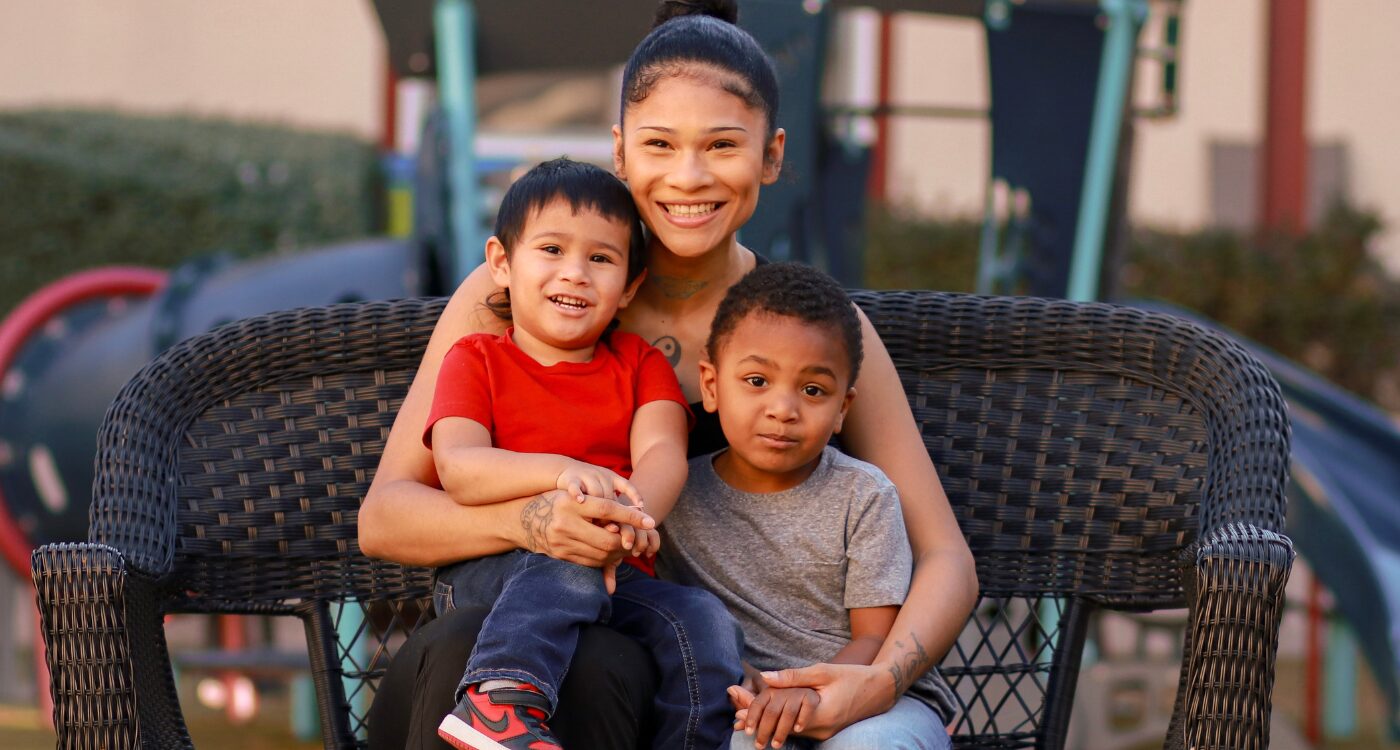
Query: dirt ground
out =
(271, 728)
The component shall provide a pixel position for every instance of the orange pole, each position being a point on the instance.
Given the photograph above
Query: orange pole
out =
(390, 93)
(1312, 680)
(232, 637)
(1284, 173)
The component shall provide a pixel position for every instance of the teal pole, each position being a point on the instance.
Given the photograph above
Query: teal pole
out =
(454, 22)
(349, 618)
(306, 721)
(1125, 17)
(1339, 683)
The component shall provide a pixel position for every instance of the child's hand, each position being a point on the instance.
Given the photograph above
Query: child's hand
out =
(741, 695)
(610, 577)
(775, 713)
(581, 479)
(648, 543)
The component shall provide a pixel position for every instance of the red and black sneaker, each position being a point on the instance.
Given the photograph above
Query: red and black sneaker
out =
(502, 719)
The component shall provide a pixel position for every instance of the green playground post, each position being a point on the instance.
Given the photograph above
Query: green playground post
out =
(350, 630)
(1339, 714)
(1125, 19)
(454, 23)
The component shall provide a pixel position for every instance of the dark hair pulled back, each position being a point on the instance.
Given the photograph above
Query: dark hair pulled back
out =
(689, 34)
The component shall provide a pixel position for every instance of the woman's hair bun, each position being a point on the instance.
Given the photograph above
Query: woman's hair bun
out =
(724, 10)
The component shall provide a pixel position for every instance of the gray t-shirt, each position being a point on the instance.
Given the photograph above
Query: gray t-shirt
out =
(790, 564)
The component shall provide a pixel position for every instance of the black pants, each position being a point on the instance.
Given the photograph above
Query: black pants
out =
(604, 702)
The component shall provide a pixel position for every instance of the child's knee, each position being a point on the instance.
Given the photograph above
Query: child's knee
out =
(570, 579)
(708, 618)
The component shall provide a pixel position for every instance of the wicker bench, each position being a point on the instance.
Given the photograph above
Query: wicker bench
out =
(1096, 457)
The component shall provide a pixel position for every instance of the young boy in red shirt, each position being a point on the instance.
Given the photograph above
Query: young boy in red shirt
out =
(561, 401)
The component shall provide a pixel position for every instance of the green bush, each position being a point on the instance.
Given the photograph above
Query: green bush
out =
(1319, 299)
(80, 189)
(904, 250)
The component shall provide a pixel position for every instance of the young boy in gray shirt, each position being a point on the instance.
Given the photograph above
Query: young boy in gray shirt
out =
(805, 545)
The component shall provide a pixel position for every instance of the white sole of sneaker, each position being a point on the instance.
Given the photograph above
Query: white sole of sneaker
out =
(460, 735)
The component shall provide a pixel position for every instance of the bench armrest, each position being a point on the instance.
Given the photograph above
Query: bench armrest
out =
(105, 645)
(1235, 582)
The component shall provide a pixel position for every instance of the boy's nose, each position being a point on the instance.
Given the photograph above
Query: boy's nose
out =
(574, 271)
(782, 407)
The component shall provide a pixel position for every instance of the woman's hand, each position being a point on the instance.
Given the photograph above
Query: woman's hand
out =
(846, 694)
(557, 525)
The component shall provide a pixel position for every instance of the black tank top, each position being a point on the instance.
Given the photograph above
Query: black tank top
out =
(706, 436)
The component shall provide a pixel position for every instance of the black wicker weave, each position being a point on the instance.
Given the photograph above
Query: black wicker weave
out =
(1096, 456)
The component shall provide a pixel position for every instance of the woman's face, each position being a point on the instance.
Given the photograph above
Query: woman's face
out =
(694, 157)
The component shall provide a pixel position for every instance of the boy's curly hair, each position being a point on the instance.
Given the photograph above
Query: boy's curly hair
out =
(792, 290)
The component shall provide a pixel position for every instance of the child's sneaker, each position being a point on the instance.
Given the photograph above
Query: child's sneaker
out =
(502, 719)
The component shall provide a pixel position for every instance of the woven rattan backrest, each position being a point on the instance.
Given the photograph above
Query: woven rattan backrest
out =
(1082, 447)
(266, 434)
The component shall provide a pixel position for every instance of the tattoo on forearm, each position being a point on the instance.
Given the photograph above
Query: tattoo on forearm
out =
(909, 666)
(535, 518)
(675, 287)
(670, 348)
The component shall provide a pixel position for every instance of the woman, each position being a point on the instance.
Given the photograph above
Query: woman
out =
(697, 139)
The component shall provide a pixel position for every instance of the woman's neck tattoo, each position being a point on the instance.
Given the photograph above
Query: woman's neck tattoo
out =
(677, 287)
(670, 349)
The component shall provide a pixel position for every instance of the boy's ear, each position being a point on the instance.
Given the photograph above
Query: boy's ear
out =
(497, 262)
(845, 407)
(773, 157)
(631, 290)
(619, 168)
(709, 386)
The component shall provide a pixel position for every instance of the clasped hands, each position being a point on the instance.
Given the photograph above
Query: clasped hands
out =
(768, 713)
(636, 533)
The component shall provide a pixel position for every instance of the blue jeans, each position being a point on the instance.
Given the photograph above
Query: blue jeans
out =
(539, 603)
(910, 725)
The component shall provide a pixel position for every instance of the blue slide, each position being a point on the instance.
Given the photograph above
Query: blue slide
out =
(1344, 505)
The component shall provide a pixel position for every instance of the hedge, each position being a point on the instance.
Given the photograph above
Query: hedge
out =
(1320, 299)
(80, 189)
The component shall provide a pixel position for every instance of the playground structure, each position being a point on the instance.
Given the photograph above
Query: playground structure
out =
(1061, 115)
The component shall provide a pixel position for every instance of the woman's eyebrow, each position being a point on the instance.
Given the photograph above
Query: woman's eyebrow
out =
(716, 129)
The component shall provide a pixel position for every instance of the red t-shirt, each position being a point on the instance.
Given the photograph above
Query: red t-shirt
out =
(582, 410)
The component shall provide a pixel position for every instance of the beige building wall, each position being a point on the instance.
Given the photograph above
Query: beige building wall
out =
(309, 63)
(319, 64)
(1354, 98)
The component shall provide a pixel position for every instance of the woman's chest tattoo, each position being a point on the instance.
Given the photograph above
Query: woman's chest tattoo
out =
(670, 347)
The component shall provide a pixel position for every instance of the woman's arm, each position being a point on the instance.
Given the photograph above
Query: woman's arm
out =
(407, 518)
(881, 429)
